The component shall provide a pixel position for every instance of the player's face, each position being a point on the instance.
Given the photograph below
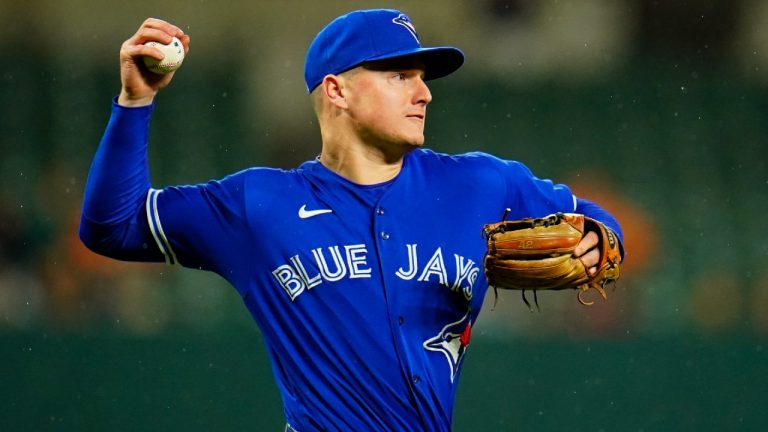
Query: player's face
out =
(388, 102)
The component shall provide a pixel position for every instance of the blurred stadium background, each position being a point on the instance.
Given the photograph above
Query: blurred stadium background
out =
(657, 109)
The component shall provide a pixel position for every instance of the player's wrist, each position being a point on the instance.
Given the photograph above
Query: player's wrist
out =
(126, 100)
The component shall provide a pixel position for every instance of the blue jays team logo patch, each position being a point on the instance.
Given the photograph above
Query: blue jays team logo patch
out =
(452, 342)
(404, 21)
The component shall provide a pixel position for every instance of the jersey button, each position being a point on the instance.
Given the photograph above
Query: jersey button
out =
(385, 235)
(416, 379)
(380, 211)
(400, 320)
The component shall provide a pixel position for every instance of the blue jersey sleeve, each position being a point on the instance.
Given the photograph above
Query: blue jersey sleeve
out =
(530, 196)
(202, 226)
(123, 218)
(112, 222)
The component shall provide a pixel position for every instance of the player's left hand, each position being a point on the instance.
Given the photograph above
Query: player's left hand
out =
(559, 251)
(588, 253)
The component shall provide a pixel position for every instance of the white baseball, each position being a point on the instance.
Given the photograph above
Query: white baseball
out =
(174, 56)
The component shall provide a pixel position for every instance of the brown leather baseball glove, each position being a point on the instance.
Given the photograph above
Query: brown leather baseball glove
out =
(537, 254)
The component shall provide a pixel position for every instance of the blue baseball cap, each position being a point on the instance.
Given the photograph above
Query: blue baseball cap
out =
(369, 35)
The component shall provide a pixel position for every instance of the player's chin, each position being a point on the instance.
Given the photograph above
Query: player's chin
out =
(410, 137)
(416, 138)
(416, 141)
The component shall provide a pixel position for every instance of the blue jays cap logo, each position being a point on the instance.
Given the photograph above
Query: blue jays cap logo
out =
(404, 21)
(452, 341)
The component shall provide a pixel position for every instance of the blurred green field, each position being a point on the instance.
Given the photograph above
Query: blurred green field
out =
(201, 382)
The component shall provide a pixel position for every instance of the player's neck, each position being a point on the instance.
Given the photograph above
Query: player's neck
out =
(362, 165)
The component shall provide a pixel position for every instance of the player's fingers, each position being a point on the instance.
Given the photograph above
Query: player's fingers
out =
(156, 23)
(142, 51)
(144, 35)
(153, 29)
(135, 47)
(590, 260)
(185, 39)
(588, 242)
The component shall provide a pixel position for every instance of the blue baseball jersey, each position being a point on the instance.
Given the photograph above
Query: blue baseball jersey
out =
(366, 295)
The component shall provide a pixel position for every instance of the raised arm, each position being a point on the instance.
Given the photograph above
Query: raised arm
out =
(113, 221)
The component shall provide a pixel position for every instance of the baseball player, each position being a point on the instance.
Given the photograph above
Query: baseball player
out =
(363, 267)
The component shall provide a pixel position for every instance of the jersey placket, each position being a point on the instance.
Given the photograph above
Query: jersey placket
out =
(388, 237)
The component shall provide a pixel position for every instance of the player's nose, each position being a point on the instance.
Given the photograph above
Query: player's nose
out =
(421, 94)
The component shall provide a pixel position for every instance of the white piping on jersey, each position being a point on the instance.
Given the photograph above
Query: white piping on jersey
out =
(153, 218)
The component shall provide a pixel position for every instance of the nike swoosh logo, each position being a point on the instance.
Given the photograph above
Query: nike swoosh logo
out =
(304, 213)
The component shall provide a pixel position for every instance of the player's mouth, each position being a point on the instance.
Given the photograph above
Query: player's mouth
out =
(417, 116)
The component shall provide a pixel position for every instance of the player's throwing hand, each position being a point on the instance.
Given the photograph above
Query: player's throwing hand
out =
(139, 85)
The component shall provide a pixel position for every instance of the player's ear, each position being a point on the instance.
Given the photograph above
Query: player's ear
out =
(333, 89)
